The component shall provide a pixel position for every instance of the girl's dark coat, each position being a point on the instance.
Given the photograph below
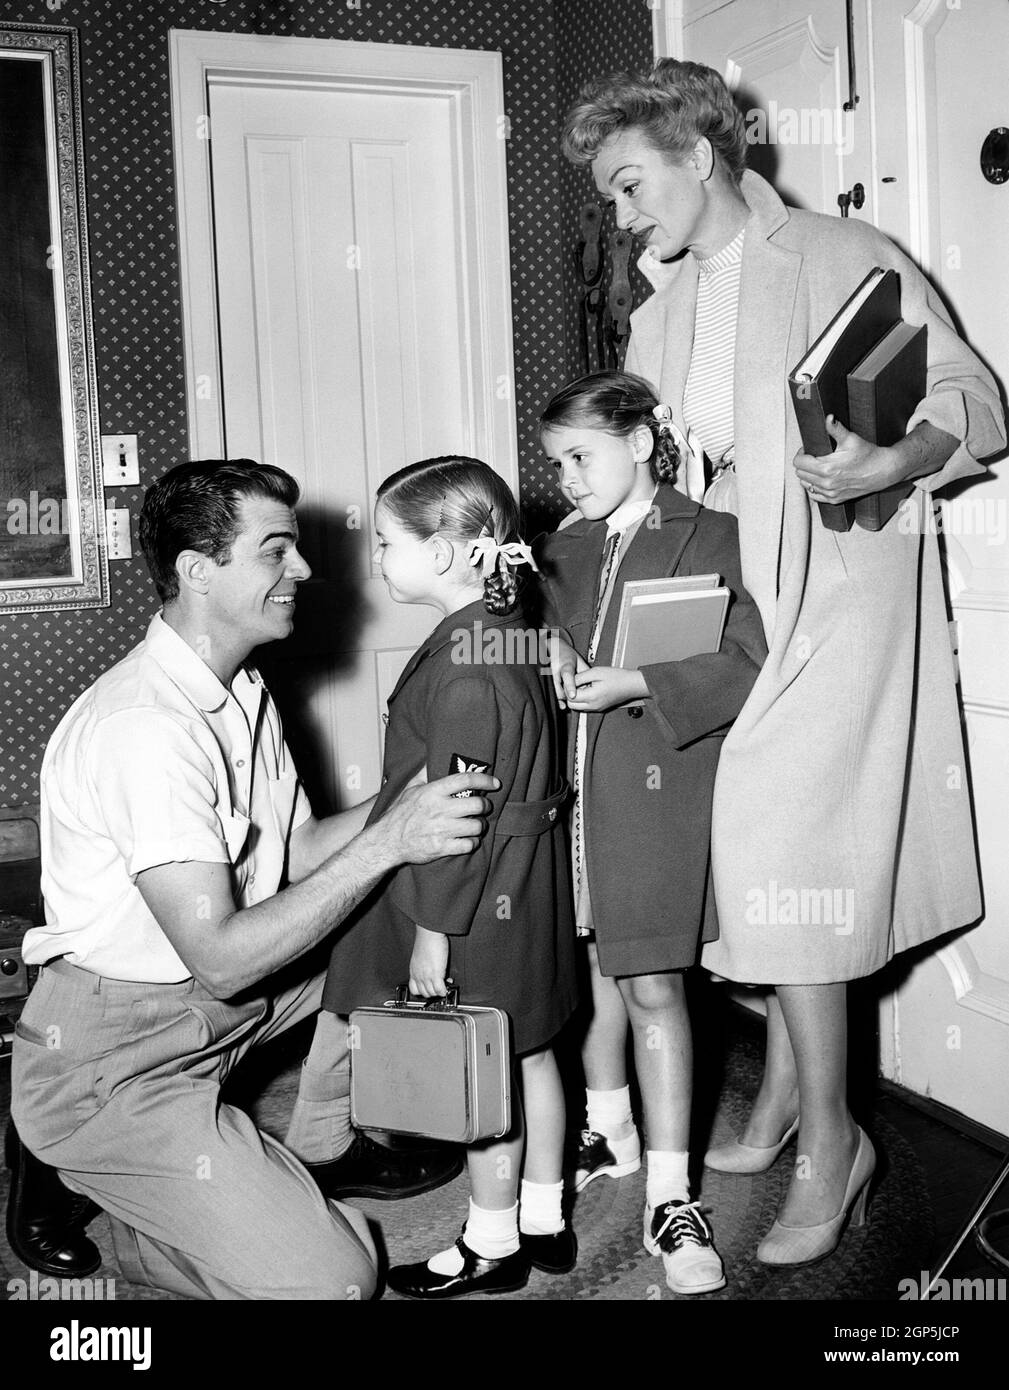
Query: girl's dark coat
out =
(507, 906)
(648, 776)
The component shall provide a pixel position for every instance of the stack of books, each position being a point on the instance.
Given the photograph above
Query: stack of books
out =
(669, 619)
(867, 369)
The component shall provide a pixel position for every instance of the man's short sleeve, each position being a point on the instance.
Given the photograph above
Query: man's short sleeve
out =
(154, 792)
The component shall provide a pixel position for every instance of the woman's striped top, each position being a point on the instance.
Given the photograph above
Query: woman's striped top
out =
(707, 398)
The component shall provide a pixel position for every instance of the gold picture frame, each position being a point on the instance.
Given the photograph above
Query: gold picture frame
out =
(52, 535)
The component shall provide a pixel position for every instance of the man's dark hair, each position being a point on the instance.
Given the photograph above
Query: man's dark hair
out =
(195, 507)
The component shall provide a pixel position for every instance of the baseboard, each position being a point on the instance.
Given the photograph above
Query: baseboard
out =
(946, 1115)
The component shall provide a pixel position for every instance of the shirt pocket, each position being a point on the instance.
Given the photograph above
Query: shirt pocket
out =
(236, 832)
(283, 796)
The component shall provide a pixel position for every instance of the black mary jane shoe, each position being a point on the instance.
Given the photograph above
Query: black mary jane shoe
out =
(477, 1275)
(45, 1220)
(370, 1169)
(552, 1254)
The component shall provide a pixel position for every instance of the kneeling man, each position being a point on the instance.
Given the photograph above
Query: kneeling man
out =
(172, 814)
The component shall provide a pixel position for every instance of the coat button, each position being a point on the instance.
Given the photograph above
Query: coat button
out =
(635, 712)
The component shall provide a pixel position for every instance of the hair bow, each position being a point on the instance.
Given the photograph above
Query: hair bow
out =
(487, 550)
(663, 415)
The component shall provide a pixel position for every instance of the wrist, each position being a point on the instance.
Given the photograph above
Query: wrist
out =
(382, 849)
(896, 462)
(637, 686)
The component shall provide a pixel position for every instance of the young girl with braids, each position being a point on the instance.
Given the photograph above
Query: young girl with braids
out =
(645, 746)
(499, 925)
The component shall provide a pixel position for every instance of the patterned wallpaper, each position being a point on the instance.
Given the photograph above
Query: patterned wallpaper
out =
(587, 48)
(549, 48)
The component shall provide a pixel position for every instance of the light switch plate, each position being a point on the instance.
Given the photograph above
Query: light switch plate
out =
(117, 533)
(120, 460)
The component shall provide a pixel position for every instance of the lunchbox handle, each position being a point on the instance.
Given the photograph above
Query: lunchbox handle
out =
(442, 1003)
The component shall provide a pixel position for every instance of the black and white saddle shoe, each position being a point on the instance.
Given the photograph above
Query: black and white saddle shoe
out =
(599, 1157)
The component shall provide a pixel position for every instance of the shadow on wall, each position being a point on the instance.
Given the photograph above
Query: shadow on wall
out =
(332, 611)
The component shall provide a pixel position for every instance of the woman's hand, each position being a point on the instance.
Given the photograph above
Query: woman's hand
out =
(604, 687)
(429, 963)
(565, 665)
(854, 469)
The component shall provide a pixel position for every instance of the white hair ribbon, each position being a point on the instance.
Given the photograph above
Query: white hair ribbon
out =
(486, 550)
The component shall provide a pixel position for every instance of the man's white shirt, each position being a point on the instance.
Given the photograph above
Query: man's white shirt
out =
(158, 763)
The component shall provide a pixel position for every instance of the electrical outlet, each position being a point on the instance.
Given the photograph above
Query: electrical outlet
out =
(120, 460)
(117, 533)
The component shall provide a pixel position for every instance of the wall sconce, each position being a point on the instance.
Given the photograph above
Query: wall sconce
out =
(995, 155)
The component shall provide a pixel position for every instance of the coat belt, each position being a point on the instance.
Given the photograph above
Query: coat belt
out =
(531, 817)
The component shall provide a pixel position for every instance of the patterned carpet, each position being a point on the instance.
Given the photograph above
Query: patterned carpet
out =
(612, 1264)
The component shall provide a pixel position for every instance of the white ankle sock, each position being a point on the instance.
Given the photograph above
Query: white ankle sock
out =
(609, 1113)
(540, 1208)
(666, 1180)
(490, 1234)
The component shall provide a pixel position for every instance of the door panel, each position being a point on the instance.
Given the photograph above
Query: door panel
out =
(341, 301)
(787, 64)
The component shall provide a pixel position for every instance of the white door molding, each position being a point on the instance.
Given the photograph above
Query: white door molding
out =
(667, 28)
(920, 28)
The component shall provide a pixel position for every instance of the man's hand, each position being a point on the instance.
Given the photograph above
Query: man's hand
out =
(565, 666)
(601, 688)
(854, 469)
(428, 822)
(428, 964)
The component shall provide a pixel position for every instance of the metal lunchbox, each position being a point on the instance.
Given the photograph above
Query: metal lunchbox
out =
(431, 1067)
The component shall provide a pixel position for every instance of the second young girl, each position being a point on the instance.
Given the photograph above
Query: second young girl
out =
(645, 746)
(498, 922)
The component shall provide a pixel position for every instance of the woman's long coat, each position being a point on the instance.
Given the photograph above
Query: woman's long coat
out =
(649, 769)
(475, 689)
(841, 828)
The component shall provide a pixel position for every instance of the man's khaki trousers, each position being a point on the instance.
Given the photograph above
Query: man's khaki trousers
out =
(117, 1085)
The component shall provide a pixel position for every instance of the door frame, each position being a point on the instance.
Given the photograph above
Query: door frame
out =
(473, 81)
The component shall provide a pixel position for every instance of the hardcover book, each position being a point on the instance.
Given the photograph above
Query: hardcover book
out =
(669, 619)
(883, 391)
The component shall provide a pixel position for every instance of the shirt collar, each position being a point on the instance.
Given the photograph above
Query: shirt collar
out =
(190, 672)
(628, 513)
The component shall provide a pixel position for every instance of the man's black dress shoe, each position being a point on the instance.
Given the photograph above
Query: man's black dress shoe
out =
(369, 1169)
(553, 1254)
(45, 1220)
(476, 1276)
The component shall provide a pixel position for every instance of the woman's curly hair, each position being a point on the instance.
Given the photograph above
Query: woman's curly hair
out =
(672, 106)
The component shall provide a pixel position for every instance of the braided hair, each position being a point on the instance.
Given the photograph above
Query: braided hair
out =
(463, 500)
(619, 403)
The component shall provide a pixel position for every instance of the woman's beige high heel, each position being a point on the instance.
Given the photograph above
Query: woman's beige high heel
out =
(800, 1245)
(737, 1157)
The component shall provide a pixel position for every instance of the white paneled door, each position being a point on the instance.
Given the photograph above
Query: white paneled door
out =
(358, 288)
(929, 75)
